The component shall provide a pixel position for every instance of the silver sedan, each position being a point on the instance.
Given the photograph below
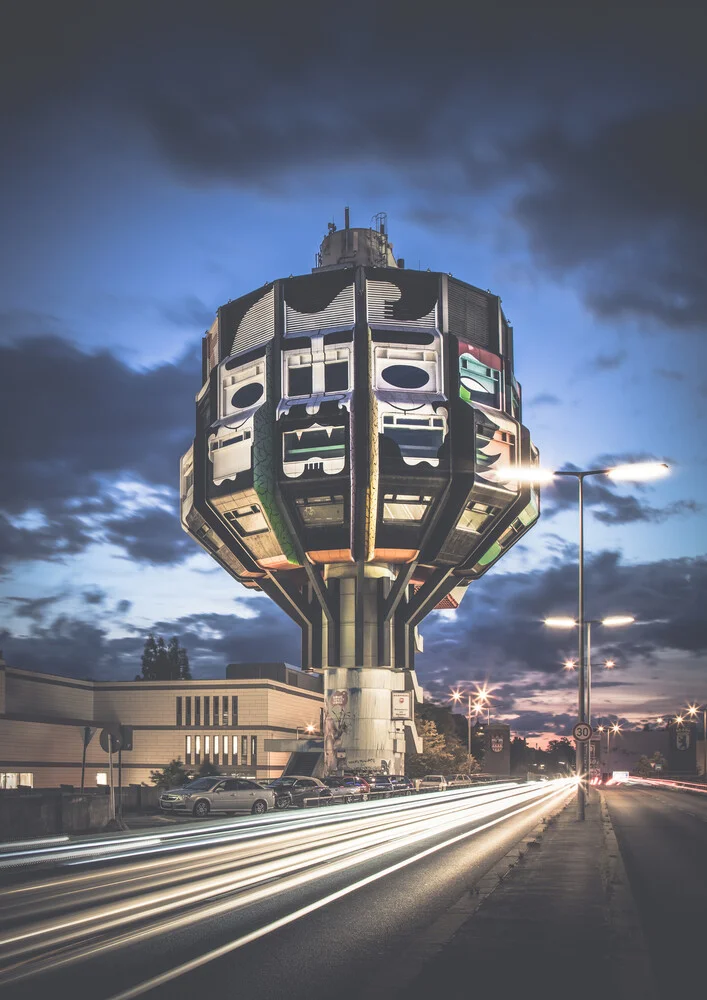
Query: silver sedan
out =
(224, 795)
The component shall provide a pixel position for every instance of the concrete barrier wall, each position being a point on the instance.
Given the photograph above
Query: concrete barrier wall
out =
(25, 815)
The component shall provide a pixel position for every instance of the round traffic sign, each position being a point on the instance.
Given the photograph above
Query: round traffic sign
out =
(582, 732)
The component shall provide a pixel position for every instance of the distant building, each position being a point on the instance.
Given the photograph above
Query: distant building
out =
(45, 718)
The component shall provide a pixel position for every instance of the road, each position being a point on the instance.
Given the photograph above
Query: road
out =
(303, 904)
(662, 836)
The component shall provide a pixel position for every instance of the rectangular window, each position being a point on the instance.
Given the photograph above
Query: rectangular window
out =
(234, 710)
(216, 716)
(216, 750)
(225, 750)
(27, 779)
(207, 710)
(197, 749)
(336, 376)
(418, 438)
(224, 721)
(179, 711)
(404, 507)
(101, 779)
(187, 752)
(315, 442)
(197, 711)
(244, 750)
(254, 750)
(187, 711)
(234, 759)
(321, 510)
(476, 516)
(207, 749)
(299, 381)
(247, 520)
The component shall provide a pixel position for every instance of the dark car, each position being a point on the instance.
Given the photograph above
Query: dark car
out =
(388, 785)
(348, 787)
(301, 791)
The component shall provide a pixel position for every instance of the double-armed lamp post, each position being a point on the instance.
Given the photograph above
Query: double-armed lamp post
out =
(635, 472)
(475, 705)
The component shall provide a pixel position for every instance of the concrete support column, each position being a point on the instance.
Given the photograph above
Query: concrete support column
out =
(358, 695)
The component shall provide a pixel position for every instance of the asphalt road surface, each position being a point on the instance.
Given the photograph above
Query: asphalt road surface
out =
(663, 840)
(292, 905)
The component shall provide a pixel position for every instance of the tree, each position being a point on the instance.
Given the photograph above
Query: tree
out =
(172, 775)
(648, 766)
(208, 770)
(441, 754)
(161, 662)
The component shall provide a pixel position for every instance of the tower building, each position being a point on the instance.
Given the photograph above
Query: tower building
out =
(355, 428)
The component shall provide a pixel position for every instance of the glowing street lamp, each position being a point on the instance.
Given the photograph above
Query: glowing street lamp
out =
(585, 684)
(693, 711)
(309, 729)
(476, 708)
(636, 472)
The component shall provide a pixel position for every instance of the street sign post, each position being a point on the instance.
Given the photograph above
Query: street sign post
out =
(582, 732)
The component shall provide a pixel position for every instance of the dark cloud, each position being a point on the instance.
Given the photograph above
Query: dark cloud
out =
(97, 421)
(612, 506)
(123, 606)
(498, 631)
(544, 399)
(606, 362)
(34, 608)
(95, 417)
(590, 123)
(189, 312)
(153, 536)
(74, 647)
(94, 595)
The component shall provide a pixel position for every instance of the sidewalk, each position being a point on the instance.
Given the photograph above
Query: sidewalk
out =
(561, 924)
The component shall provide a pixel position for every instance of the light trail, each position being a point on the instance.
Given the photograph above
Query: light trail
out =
(234, 873)
(686, 786)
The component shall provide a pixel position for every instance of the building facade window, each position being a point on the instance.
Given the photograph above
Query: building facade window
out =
(102, 778)
(244, 750)
(187, 711)
(234, 759)
(187, 752)
(197, 749)
(225, 750)
(215, 715)
(216, 750)
(207, 749)
(254, 750)
(197, 711)
(207, 711)
(234, 710)
(179, 711)
(224, 702)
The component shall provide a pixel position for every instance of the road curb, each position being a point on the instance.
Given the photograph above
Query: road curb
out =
(634, 974)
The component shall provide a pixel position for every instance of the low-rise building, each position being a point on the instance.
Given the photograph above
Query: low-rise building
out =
(45, 720)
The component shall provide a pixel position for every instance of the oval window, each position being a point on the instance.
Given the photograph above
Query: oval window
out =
(247, 395)
(405, 376)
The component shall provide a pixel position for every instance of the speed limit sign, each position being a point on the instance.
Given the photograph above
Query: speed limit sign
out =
(582, 732)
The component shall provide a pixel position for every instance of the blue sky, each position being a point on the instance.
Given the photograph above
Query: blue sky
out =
(194, 160)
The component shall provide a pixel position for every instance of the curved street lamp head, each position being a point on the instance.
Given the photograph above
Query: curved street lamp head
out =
(692, 710)
(610, 664)
(614, 620)
(679, 719)
(309, 728)
(569, 665)
(616, 728)
(532, 474)
(638, 472)
(560, 622)
(456, 696)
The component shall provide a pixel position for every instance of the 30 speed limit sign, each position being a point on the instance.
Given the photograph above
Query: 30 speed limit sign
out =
(582, 732)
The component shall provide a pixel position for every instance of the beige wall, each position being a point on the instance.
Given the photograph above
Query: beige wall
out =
(51, 751)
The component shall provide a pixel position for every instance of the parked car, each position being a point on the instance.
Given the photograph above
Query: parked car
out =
(348, 787)
(433, 783)
(458, 780)
(218, 794)
(386, 785)
(300, 790)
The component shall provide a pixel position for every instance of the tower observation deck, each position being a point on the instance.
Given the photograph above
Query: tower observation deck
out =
(350, 429)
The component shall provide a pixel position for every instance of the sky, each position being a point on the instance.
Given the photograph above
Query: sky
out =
(160, 159)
